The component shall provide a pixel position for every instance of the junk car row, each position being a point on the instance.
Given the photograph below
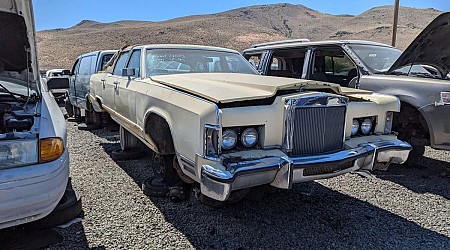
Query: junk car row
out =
(295, 112)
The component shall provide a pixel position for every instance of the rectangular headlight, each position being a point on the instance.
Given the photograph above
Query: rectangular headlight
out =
(16, 153)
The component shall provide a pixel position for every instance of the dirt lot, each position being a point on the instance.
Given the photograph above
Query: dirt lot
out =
(403, 208)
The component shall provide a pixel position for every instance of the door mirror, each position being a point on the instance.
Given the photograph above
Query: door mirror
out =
(58, 83)
(128, 72)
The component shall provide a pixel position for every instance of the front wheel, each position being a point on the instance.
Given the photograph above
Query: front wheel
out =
(163, 167)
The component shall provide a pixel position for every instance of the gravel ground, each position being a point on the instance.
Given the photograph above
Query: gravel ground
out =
(402, 208)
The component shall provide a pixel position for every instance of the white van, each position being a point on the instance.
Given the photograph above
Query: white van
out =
(34, 159)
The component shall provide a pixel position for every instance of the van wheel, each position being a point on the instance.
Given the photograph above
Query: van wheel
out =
(69, 107)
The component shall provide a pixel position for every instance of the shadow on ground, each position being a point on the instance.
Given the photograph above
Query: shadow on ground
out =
(425, 175)
(309, 216)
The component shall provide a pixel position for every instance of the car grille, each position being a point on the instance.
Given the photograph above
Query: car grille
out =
(326, 169)
(318, 130)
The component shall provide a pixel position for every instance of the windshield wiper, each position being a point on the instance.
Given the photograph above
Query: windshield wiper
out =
(13, 94)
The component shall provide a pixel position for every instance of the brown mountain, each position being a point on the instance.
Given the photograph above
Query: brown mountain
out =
(235, 29)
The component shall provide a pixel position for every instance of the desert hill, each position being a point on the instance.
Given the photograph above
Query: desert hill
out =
(236, 29)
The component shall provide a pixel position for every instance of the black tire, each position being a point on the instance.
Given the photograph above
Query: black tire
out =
(416, 152)
(67, 209)
(163, 167)
(127, 140)
(88, 119)
(130, 154)
(69, 107)
(155, 187)
(76, 112)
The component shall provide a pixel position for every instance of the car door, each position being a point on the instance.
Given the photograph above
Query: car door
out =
(332, 64)
(82, 82)
(125, 95)
(73, 78)
(111, 81)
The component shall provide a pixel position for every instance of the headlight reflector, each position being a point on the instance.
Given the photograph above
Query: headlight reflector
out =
(249, 137)
(355, 127)
(51, 149)
(229, 139)
(16, 153)
(366, 126)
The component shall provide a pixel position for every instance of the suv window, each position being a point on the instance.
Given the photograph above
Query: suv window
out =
(287, 63)
(135, 61)
(120, 64)
(333, 65)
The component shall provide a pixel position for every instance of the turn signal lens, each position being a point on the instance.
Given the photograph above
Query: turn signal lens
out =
(50, 149)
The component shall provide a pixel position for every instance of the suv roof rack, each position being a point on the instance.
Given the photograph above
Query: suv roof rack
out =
(303, 40)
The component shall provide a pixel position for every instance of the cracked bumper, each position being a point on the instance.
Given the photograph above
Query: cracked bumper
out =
(217, 181)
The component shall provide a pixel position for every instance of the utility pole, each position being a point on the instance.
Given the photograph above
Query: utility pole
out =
(394, 25)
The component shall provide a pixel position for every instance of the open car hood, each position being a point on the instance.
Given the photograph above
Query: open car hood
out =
(431, 47)
(17, 38)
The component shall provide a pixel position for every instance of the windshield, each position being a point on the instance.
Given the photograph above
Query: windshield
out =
(178, 61)
(378, 59)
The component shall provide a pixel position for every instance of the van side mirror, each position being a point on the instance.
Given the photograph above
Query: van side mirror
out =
(128, 72)
(58, 83)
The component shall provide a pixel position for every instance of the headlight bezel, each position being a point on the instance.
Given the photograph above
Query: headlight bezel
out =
(360, 121)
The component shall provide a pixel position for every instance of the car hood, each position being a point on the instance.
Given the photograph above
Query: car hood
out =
(17, 37)
(233, 87)
(430, 47)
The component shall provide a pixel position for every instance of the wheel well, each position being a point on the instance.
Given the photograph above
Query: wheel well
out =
(409, 122)
(157, 128)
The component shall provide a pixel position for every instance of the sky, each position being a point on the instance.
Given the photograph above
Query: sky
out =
(52, 14)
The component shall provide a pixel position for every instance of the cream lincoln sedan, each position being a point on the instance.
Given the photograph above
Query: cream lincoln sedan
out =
(213, 121)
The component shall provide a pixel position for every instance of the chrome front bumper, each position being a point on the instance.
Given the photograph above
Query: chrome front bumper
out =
(279, 170)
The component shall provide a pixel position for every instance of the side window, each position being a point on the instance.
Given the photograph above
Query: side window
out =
(85, 66)
(333, 65)
(135, 62)
(275, 64)
(75, 67)
(105, 60)
(120, 64)
(288, 63)
(255, 60)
